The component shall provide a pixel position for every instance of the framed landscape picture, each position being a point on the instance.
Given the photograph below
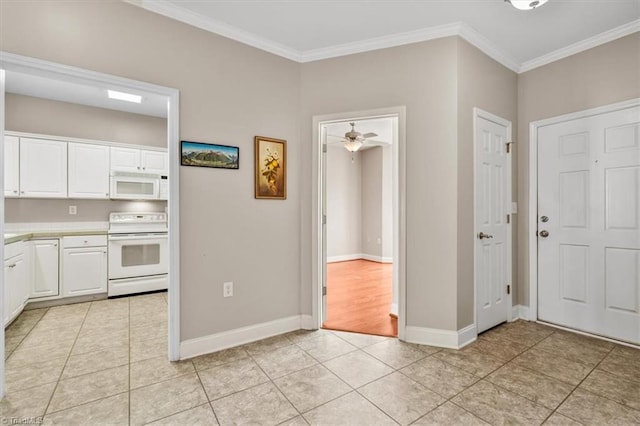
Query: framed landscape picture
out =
(209, 155)
(270, 168)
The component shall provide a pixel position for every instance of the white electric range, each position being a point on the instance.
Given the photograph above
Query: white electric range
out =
(138, 253)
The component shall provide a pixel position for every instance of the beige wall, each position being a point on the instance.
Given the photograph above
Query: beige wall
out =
(35, 115)
(603, 75)
(422, 77)
(229, 93)
(485, 84)
(344, 202)
(372, 201)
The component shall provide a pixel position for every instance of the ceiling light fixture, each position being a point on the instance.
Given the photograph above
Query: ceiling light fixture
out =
(122, 96)
(526, 4)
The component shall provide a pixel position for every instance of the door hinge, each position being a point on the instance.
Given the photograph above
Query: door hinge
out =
(324, 290)
(508, 219)
(508, 288)
(324, 148)
(508, 144)
(324, 219)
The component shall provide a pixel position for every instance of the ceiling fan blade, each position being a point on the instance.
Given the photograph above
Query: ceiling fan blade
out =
(369, 135)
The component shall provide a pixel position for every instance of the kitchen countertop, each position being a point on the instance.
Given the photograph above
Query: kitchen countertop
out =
(13, 237)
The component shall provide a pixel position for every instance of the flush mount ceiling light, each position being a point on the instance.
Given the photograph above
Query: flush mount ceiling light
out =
(122, 96)
(526, 4)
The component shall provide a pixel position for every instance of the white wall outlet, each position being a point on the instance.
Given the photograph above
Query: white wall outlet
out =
(73, 210)
(227, 289)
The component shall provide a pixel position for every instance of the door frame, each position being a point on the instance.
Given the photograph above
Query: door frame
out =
(480, 113)
(19, 63)
(399, 207)
(533, 187)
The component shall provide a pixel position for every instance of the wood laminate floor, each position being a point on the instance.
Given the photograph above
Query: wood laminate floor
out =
(359, 295)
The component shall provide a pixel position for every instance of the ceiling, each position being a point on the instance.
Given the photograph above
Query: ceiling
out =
(307, 30)
(80, 93)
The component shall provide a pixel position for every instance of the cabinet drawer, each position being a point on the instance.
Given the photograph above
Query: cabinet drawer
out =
(85, 241)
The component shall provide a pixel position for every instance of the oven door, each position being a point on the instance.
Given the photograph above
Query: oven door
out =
(138, 255)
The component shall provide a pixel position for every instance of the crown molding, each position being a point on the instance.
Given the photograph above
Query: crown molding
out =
(170, 10)
(461, 29)
(581, 46)
(383, 42)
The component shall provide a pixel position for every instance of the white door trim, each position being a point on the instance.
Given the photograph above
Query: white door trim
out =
(533, 188)
(399, 208)
(479, 113)
(2, 293)
(10, 61)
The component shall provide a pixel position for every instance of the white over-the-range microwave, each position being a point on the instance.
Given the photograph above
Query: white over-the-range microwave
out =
(138, 186)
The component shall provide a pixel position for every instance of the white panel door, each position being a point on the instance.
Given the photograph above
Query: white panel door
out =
(492, 205)
(88, 171)
(43, 168)
(589, 224)
(11, 166)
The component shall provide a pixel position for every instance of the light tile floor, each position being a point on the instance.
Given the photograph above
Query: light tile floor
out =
(105, 363)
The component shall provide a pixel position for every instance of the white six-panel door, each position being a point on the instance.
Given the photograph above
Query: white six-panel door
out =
(589, 224)
(492, 224)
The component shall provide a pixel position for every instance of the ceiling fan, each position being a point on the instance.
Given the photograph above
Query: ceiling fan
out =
(354, 140)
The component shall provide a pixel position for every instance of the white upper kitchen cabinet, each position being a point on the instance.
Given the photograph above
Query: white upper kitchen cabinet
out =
(11, 166)
(43, 168)
(88, 171)
(138, 161)
(46, 265)
(154, 162)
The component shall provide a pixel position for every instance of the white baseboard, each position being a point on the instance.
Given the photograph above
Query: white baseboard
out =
(357, 256)
(394, 309)
(306, 322)
(344, 258)
(228, 339)
(441, 338)
(520, 312)
(378, 259)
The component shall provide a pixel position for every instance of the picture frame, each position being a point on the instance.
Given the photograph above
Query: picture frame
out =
(270, 168)
(215, 156)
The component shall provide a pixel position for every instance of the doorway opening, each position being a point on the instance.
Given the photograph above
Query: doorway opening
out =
(60, 183)
(360, 243)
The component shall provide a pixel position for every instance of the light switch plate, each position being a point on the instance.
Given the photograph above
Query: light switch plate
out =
(514, 207)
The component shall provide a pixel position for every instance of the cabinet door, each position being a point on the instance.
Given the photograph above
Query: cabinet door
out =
(44, 280)
(43, 168)
(154, 162)
(11, 166)
(16, 290)
(84, 271)
(125, 159)
(88, 171)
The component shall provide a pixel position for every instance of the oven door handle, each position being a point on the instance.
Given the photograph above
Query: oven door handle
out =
(137, 237)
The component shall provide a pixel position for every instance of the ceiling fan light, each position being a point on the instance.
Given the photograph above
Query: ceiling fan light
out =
(526, 4)
(352, 146)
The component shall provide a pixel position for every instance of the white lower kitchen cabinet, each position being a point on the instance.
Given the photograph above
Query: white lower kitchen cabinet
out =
(46, 267)
(16, 288)
(84, 271)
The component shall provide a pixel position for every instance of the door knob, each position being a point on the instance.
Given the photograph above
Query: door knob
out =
(544, 234)
(482, 235)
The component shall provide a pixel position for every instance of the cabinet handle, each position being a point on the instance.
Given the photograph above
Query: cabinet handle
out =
(22, 192)
(107, 194)
(12, 266)
(15, 191)
(104, 252)
(138, 167)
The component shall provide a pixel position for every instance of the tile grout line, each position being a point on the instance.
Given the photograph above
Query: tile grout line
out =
(66, 360)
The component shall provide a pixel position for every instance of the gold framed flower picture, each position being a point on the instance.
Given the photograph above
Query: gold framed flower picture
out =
(270, 168)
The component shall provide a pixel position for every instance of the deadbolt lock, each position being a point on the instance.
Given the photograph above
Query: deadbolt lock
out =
(544, 219)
